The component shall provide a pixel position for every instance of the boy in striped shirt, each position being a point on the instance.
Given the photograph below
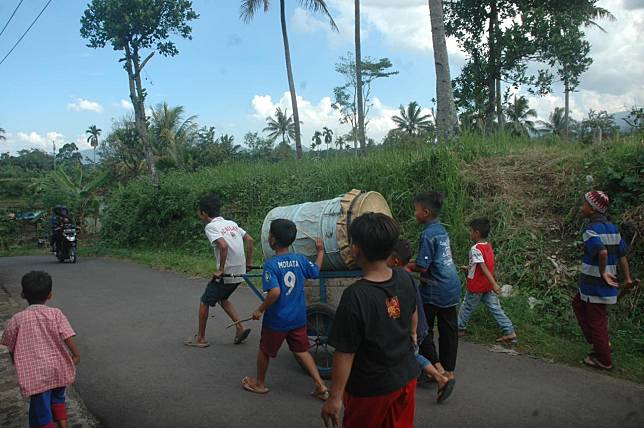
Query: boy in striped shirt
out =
(603, 249)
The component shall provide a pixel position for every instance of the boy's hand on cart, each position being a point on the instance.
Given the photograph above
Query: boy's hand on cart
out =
(218, 275)
(319, 245)
(331, 412)
(497, 289)
(257, 315)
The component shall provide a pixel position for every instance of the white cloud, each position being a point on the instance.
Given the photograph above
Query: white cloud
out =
(87, 105)
(315, 116)
(125, 104)
(35, 140)
(32, 138)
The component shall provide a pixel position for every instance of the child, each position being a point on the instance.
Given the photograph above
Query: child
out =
(440, 286)
(227, 240)
(400, 258)
(284, 308)
(603, 249)
(481, 285)
(374, 369)
(40, 341)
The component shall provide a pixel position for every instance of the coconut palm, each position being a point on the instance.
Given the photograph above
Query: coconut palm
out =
(519, 114)
(171, 133)
(316, 140)
(248, 10)
(411, 120)
(446, 117)
(281, 126)
(328, 137)
(557, 121)
(92, 139)
(2, 132)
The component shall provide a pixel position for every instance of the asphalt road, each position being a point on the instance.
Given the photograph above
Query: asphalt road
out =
(135, 372)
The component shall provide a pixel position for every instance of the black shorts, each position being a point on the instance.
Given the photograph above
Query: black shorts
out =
(216, 291)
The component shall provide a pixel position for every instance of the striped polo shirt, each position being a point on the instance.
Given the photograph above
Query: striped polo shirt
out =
(600, 234)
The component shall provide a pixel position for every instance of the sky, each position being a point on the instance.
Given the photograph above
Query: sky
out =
(232, 75)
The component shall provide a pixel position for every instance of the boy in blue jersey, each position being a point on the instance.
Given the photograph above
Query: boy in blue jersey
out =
(284, 308)
(604, 249)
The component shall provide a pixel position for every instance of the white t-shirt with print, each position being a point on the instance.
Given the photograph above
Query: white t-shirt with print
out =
(234, 236)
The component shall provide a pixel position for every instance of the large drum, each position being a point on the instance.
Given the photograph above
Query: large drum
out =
(328, 220)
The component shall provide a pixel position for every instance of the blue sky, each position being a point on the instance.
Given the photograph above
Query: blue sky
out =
(232, 74)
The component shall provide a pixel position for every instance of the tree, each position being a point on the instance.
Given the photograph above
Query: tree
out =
(361, 130)
(2, 136)
(121, 151)
(171, 134)
(316, 140)
(346, 96)
(281, 126)
(248, 10)
(635, 119)
(258, 146)
(134, 27)
(69, 152)
(597, 125)
(519, 114)
(328, 137)
(446, 118)
(92, 139)
(557, 122)
(412, 121)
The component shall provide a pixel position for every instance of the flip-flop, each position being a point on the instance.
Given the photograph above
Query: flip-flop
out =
(510, 340)
(250, 388)
(321, 395)
(192, 341)
(446, 391)
(239, 338)
(592, 361)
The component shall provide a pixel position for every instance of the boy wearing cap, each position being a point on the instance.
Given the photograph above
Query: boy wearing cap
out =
(603, 249)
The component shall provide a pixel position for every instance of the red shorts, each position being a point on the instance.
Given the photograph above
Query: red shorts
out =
(271, 341)
(395, 410)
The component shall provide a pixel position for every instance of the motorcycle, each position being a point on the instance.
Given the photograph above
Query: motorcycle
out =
(66, 246)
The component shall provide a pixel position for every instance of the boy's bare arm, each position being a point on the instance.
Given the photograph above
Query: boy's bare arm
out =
(319, 246)
(609, 278)
(490, 277)
(271, 298)
(412, 266)
(249, 250)
(626, 271)
(71, 345)
(342, 363)
(223, 255)
(414, 327)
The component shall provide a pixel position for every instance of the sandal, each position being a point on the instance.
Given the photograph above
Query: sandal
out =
(321, 395)
(445, 391)
(592, 361)
(239, 338)
(510, 339)
(252, 388)
(192, 341)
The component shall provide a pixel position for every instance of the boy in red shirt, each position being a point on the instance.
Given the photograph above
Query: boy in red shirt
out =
(481, 285)
(374, 368)
(41, 344)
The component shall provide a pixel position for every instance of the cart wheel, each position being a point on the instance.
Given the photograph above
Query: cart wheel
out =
(319, 319)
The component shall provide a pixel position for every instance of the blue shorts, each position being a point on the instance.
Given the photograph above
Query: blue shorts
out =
(216, 291)
(47, 407)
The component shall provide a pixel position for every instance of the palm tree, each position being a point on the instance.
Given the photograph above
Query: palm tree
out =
(359, 94)
(281, 126)
(411, 120)
(519, 114)
(557, 122)
(316, 140)
(328, 137)
(446, 117)
(2, 132)
(248, 10)
(171, 133)
(92, 139)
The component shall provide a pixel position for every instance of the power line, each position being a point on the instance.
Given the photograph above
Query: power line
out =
(26, 31)
(11, 17)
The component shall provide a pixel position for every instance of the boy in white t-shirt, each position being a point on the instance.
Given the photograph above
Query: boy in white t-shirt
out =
(227, 240)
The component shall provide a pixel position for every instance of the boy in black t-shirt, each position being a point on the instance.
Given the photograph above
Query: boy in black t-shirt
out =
(374, 368)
